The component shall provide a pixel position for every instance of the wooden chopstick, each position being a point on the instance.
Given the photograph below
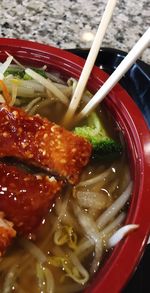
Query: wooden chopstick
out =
(90, 61)
(123, 67)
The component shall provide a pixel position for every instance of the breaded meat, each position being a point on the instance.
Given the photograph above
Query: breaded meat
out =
(42, 143)
(26, 198)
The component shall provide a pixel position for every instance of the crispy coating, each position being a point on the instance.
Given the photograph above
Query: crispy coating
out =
(26, 198)
(42, 143)
(7, 233)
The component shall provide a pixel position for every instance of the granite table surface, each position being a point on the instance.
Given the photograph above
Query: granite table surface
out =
(73, 23)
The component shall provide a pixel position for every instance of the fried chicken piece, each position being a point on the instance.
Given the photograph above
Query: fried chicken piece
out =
(26, 198)
(42, 143)
(7, 233)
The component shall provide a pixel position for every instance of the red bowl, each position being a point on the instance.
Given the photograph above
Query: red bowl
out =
(126, 255)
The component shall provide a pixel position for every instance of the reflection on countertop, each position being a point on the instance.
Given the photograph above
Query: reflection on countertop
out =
(73, 23)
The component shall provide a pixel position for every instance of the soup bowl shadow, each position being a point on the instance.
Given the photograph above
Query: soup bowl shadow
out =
(124, 259)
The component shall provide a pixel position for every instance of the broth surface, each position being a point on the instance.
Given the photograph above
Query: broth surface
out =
(60, 256)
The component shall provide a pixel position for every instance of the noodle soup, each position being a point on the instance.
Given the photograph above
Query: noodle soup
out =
(72, 241)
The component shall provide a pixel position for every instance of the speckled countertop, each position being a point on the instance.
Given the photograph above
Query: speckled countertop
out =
(73, 23)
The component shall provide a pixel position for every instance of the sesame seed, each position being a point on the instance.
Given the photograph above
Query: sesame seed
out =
(19, 130)
(24, 144)
(15, 114)
(53, 128)
(41, 150)
(73, 150)
(5, 134)
(26, 179)
(30, 156)
(57, 147)
(52, 143)
(63, 161)
(45, 135)
(42, 143)
(39, 177)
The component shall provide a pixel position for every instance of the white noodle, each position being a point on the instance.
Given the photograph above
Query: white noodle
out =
(87, 223)
(54, 76)
(2, 100)
(63, 213)
(113, 225)
(48, 84)
(50, 96)
(121, 233)
(50, 285)
(78, 273)
(28, 84)
(14, 94)
(96, 179)
(85, 275)
(67, 90)
(86, 244)
(33, 250)
(73, 83)
(26, 88)
(92, 233)
(4, 66)
(114, 208)
(21, 90)
(90, 199)
(61, 206)
(61, 210)
(113, 185)
(31, 104)
(97, 256)
(45, 279)
(17, 62)
(9, 280)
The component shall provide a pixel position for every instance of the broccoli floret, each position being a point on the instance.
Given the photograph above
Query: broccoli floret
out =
(104, 147)
(16, 72)
(20, 73)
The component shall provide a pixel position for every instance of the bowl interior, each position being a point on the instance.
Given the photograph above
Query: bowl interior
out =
(127, 253)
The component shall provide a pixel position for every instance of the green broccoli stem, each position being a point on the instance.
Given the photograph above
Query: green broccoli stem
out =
(94, 121)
